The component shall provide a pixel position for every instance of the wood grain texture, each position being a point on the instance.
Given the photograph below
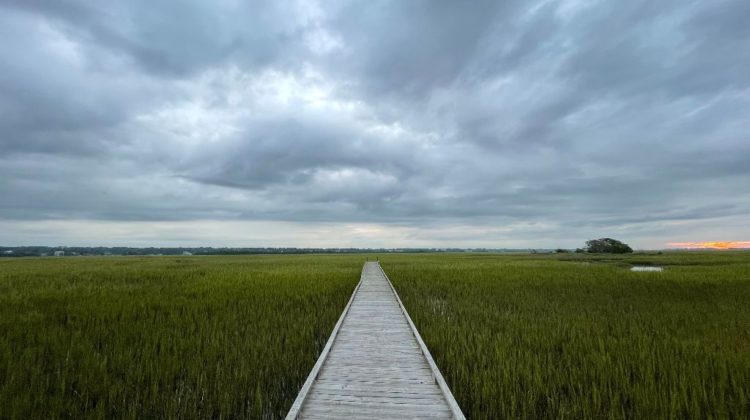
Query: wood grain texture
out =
(375, 366)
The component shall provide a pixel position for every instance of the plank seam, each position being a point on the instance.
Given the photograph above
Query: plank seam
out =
(455, 409)
(294, 411)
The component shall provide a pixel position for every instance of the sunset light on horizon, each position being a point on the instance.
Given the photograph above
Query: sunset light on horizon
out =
(711, 245)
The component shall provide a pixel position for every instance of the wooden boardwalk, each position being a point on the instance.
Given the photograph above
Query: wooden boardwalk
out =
(375, 365)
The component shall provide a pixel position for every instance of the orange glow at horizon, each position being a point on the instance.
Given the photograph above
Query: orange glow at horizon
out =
(711, 245)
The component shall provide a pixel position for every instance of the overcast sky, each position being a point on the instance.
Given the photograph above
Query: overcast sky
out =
(375, 123)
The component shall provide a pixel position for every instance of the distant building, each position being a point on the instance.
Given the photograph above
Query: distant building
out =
(8, 252)
(59, 253)
(186, 253)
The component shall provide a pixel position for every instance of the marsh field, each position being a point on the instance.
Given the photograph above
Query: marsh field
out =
(515, 335)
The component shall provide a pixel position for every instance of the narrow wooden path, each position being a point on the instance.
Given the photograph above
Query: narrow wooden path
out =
(375, 365)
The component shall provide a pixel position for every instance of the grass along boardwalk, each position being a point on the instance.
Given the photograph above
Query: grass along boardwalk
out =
(375, 365)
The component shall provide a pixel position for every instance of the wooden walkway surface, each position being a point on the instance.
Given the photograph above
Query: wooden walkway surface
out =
(375, 365)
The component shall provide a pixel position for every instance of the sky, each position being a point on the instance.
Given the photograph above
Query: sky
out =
(518, 124)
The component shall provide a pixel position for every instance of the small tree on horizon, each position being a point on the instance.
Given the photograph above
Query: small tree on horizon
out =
(607, 246)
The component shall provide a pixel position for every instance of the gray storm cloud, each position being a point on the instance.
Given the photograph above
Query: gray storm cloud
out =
(516, 123)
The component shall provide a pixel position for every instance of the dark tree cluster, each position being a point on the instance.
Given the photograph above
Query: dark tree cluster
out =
(607, 246)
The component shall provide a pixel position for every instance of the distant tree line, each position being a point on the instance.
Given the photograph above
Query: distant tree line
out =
(38, 251)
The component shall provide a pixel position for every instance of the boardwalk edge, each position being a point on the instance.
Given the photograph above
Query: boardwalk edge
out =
(299, 401)
(455, 409)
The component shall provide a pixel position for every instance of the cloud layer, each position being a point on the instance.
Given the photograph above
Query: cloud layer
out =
(497, 124)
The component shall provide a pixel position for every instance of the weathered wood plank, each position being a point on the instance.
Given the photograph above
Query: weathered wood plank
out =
(375, 365)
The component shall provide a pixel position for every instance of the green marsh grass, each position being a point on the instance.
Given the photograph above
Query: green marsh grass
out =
(516, 336)
(164, 337)
(579, 336)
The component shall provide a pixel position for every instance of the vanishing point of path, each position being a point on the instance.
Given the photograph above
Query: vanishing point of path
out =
(375, 365)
